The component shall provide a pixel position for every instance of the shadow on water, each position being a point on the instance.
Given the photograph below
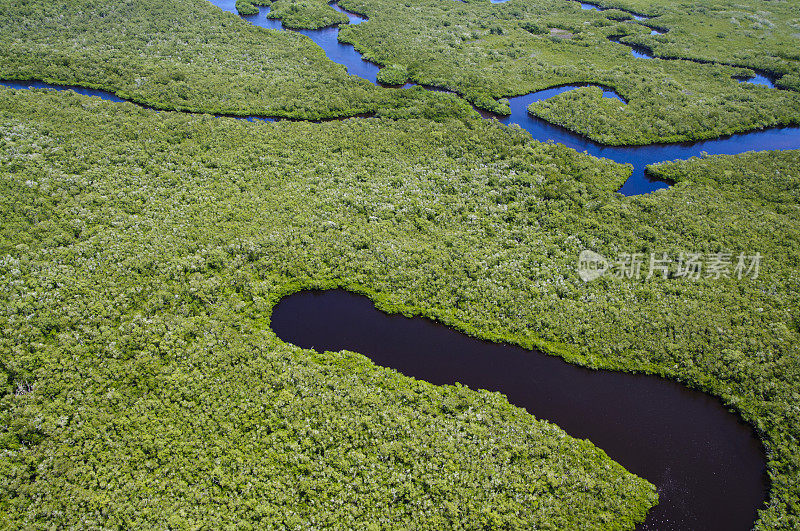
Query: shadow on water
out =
(708, 466)
(758, 78)
(103, 94)
(641, 156)
(640, 52)
(595, 7)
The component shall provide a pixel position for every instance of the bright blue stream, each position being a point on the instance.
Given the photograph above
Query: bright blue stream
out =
(588, 6)
(640, 52)
(637, 156)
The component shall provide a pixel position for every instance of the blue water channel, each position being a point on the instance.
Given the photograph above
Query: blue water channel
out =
(638, 156)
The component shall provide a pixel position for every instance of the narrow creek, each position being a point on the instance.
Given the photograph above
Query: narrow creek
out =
(708, 465)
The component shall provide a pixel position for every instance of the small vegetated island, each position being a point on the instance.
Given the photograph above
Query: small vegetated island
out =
(142, 251)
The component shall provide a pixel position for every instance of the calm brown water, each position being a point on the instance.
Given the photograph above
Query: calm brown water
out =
(708, 466)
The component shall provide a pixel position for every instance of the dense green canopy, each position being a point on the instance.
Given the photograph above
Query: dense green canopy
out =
(489, 51)
(141, 253)
(142, 384)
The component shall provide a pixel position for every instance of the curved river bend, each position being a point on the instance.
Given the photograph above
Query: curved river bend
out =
(638, 156)
(708, 466)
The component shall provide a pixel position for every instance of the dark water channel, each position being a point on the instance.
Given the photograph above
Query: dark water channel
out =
(708, 466)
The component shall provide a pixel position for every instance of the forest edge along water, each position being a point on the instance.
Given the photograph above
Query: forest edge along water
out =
(638, 156)
(708, 465)
(780, 138)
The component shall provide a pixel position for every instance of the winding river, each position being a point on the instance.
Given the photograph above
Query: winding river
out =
(708, 466)
(638, 156)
